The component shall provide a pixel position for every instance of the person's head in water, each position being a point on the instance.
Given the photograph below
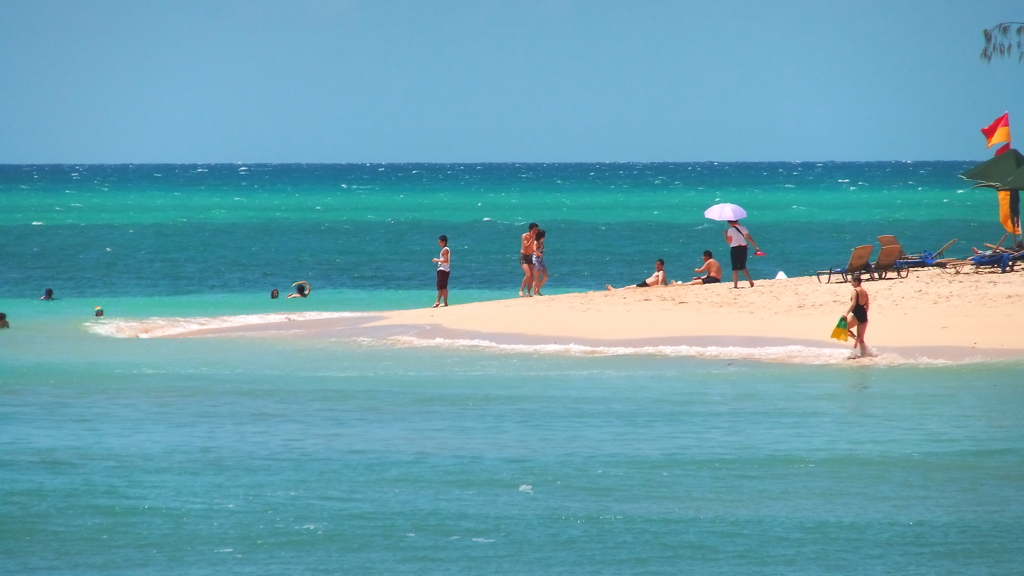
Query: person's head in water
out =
(442, 240)
(3, 321)
(47, 294)
(301, 290)
(274, 294)
(99, 311)
(540, 234)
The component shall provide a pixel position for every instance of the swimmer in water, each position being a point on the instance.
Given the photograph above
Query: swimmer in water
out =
(302, 289)
(3, 321)
(99, 311)
(274, 294)
(47, 294)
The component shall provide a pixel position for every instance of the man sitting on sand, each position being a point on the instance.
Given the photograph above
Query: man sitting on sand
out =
(713, 269)
(656, 279)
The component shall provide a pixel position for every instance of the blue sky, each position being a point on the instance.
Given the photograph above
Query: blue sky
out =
(479, 81)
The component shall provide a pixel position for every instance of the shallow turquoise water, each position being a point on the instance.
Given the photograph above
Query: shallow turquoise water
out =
(200, 456)
(261, 455)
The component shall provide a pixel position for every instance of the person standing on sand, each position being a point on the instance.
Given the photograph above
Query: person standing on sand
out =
(526, 259)
(656, 279)
(737, 236)
(540, 269)
(857, 314)
(713, 269)
(444, 270)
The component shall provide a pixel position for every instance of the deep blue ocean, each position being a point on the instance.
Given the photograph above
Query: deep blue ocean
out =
(123, 455)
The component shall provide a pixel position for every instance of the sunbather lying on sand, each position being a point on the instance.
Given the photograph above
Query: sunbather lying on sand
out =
(656, 279)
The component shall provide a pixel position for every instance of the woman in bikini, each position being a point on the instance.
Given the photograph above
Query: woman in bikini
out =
(857, 313)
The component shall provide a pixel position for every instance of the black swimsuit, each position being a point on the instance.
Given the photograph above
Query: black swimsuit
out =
(860, 312)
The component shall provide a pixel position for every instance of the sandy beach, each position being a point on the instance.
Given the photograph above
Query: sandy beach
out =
(932, 313)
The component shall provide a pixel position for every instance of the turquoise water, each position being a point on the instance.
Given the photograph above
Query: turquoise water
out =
(173, 230)
(281, 455)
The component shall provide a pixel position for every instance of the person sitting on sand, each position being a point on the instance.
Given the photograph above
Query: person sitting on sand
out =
(3, 321)
(656, 279)
(713, 269)
(858, 314)
(47, 294)
(302, 289)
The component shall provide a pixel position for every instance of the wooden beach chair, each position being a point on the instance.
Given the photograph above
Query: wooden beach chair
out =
(997, 247)
(888, 261)
(917, 260)
(1005, 261)
(860, 261)
(890, 240)
(939, 255)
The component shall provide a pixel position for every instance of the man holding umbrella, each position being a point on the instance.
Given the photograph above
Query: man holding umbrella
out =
(737, 236)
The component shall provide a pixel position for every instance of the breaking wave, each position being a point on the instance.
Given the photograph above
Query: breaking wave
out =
(157, 327)
(780, 354)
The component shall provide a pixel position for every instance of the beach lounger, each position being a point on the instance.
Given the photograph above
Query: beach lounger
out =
(860, 261)
(890, 240)
(888, 261)
(1003, 261)
(922, 260)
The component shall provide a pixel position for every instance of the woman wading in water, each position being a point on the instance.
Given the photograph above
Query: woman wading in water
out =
(857, 314)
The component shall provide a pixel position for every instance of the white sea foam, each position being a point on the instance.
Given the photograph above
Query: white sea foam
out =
(781, 354)
(157, 327)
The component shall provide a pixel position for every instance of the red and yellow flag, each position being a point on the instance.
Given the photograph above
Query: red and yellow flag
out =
(998, 131)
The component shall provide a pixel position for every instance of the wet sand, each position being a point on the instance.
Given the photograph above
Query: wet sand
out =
(931, 313)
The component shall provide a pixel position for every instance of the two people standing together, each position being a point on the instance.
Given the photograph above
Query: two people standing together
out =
(531, 260)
